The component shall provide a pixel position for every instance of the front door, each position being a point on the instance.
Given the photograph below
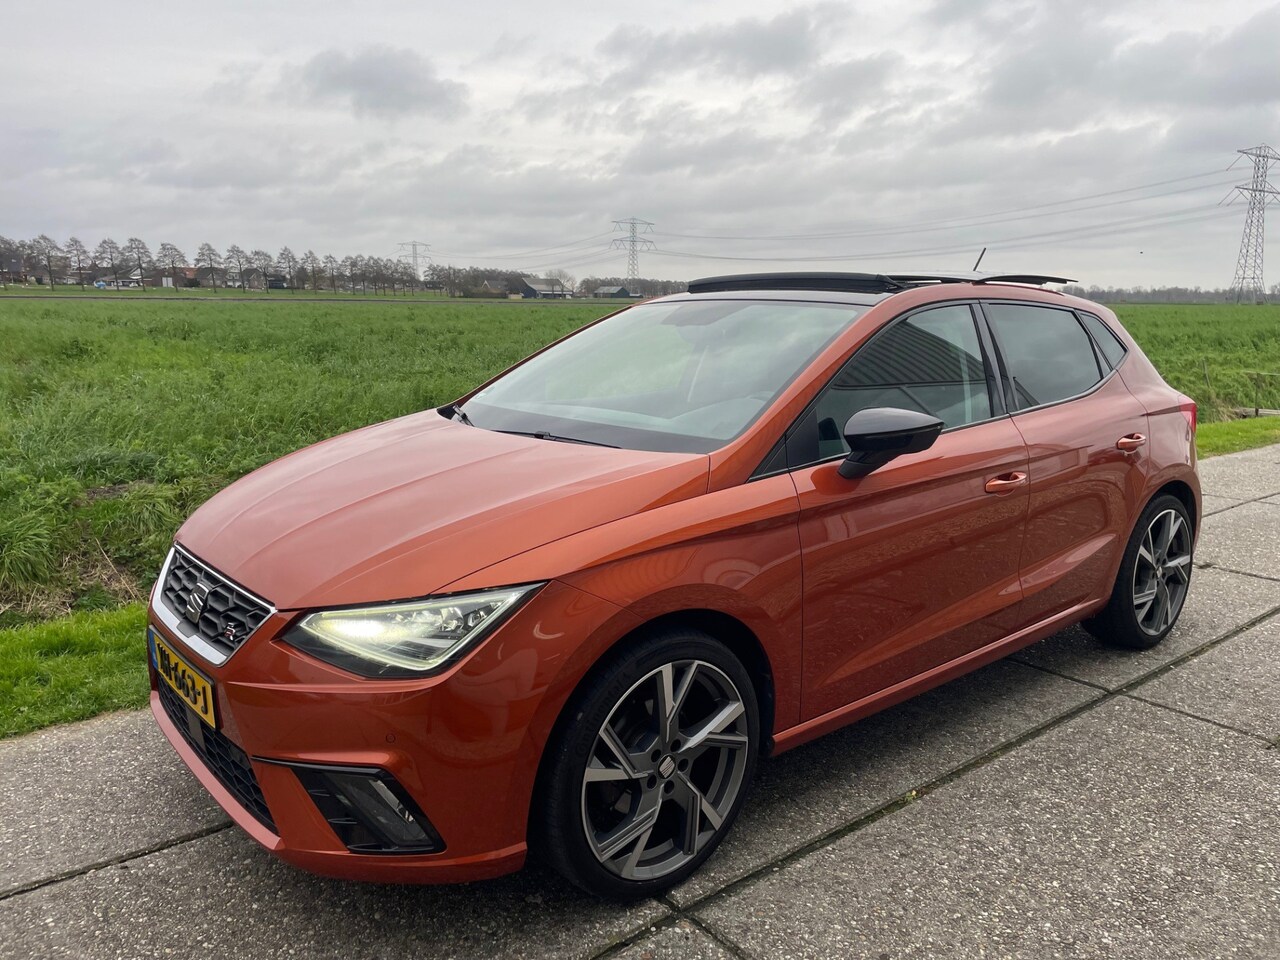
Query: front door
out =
(909, 567)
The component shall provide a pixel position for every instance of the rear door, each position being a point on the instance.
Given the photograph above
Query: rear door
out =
(913, 565)
(1086, 437)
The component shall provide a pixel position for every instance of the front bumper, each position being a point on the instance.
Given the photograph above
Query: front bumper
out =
(464, 745)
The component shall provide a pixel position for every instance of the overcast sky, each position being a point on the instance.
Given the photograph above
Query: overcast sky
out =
(836, 135)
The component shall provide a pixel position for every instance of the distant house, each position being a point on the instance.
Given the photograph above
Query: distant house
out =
(164, 277)
(533, 288)
(11, 270)
(494, 288)
(211, 276)
(603, 292)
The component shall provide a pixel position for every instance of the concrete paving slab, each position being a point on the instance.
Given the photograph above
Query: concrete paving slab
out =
(681, 941)
(1129, 832)
(1245, 539)
(826, 784)
(222, 896)
(1236, 683)
(90, 792)
(1218, 603)
(1247, 476)
(1212, 504)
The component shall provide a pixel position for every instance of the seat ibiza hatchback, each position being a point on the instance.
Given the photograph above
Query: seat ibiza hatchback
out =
(570, 611)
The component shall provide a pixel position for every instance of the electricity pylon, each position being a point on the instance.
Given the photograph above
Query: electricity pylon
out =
(1248, 286)
(415, 251)
(633, 243)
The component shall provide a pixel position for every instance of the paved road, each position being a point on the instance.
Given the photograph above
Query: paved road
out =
(1070, 801)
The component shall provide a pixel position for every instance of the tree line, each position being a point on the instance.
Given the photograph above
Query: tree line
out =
(115, 263)
(211, 267)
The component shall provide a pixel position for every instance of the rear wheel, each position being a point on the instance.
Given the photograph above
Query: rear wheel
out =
(1154, 577)
(652, 767)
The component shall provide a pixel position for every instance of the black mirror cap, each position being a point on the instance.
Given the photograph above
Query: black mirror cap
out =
(878, 434)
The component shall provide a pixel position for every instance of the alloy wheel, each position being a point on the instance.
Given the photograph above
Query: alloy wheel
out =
(1162, 572)
(665, 770)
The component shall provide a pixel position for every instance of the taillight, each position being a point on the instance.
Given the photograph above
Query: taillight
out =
(1188, 408)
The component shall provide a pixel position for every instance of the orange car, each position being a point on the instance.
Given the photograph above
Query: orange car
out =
(573, 609)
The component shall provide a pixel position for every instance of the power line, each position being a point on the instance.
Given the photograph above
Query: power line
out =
(1188, 215)
(974, 219)
(1247, 283)
(981, 222)
(633, 243)
(523, 254)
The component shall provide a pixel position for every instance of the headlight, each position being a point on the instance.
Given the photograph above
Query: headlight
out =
(410, 639)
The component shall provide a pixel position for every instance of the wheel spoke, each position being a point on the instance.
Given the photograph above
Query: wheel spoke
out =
(1145, 551)
(626, 761)
(634, 829)
(664, 705)
(1180, 566)
(714, 725)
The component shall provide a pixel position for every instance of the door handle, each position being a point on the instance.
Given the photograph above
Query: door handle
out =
(1131, 442)
(1006, 482)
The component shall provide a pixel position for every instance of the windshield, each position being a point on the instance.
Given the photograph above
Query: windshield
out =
(680, 377)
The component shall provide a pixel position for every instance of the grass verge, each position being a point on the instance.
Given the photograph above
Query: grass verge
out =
(72, 668)
(1232, 436)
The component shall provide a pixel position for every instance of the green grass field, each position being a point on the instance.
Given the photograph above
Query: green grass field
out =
(119, 417)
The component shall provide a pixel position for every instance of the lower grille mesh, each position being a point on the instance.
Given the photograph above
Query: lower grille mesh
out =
(224, 759)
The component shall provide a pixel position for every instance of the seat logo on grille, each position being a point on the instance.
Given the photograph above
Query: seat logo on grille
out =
(196, 601)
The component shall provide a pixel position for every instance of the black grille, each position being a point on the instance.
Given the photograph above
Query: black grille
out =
(224, 618)
(224, 759)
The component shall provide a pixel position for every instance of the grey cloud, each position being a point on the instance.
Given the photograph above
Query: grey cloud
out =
(745, 49)
(380, 81)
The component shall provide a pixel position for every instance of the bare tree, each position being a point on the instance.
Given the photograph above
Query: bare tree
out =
(139, 254)
(331, 267)
(289, 264)
(78, 258)
(266, 264)
(47, 254)
(170, 258)
(349, 270)
(109, 256)
(238, 260)
(208, 258)
(562, 277)
(312, 264)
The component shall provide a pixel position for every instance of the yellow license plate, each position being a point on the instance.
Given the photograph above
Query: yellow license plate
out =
(195, 691)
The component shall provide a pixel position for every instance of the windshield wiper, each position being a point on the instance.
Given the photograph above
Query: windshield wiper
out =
(460, 415)
(544, 435)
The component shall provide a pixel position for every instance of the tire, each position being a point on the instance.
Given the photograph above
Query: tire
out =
(1157, 564)
(627, 809)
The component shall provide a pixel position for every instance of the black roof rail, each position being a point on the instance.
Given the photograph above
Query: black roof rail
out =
(858, 282)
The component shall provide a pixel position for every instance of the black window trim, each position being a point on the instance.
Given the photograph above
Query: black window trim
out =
(986, 344)
(1098, 358)
(1124, 350)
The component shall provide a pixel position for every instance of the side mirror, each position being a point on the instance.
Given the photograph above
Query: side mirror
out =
(878, 434)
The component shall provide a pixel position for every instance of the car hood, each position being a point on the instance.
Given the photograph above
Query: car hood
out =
(403, 508)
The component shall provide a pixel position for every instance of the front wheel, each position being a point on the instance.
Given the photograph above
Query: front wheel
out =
(1154, 577)
(651, 767)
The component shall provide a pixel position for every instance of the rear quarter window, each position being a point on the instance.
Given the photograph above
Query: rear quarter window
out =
(1112, 349)
(1048, 354)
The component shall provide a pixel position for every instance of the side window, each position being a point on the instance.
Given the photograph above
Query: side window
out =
(929, 361)
(1110, 345)
(1048, 354)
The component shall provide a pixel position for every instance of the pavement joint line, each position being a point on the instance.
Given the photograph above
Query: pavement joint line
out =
(1195, 716)
(631, 938)
(897, 803)
(1059, 674)
(1210, 565)
(1196, 652)
(728, 945)
(123, 858)
(976, 763)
